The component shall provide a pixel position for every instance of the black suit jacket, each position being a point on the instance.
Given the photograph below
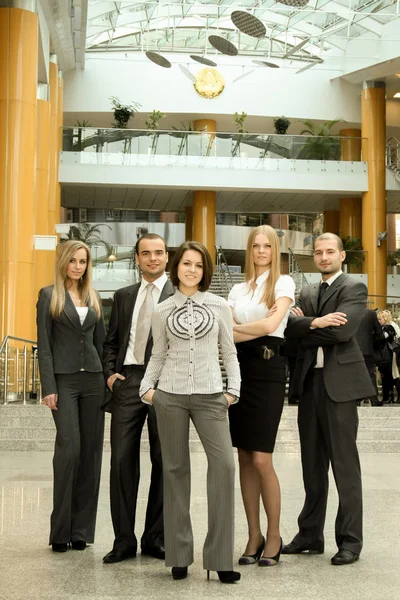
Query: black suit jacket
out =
(345, 374)
(64, 345)
(370, 333)
(117, 340)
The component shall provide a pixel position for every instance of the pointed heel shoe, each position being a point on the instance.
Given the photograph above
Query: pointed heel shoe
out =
(251, 559)
(265, 561)
(179, 573)
(226, 576)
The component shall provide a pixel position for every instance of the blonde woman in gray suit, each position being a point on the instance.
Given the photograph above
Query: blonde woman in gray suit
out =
(187, 328)
(71, 333)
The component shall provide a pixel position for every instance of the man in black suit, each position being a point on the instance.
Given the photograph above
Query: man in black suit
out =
(127, 350)
(330, 377)
(370, 334)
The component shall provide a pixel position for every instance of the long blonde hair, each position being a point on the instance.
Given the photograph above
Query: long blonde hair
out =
(268, 297)
(65, 252)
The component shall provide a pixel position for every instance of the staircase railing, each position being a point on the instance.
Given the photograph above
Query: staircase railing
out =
(222, 271)
(393, 155)
(296, 272)
(19, 371)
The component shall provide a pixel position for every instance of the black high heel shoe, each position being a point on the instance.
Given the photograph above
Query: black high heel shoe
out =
(251, 559)
(226, 576)
(265, 561)
(179, 572)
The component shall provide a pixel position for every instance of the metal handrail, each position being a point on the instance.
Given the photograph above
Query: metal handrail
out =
(4, 349)
(295, 268)
(16, 339)
(222, 262)
(393, 162)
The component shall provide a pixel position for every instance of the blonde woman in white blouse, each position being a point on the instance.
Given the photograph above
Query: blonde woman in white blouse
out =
(260, 309)
(184, 366)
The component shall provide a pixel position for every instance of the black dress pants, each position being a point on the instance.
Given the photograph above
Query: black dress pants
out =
(328, 433)
(128, 416)
(77, 458)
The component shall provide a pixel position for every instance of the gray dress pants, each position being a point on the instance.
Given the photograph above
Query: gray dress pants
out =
(209, 415)
(77, 458)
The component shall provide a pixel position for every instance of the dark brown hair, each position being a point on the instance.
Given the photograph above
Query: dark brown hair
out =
(207, 264)
(149, 236)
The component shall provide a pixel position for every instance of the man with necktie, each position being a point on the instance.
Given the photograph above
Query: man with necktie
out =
(330, 377)
(127, 350)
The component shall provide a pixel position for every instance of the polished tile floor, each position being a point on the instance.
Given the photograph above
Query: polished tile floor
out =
(30, 571)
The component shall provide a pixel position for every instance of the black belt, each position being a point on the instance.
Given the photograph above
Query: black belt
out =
(263, 351)
(133, 368)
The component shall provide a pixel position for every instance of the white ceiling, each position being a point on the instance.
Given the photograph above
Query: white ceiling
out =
(85, 196)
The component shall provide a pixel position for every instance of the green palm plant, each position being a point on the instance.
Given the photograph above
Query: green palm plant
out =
(86, 233)
(354, 253)
(321, 145)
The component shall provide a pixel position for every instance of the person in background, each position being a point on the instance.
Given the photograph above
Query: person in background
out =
(71, 333)
(185, 369)
(260, 309)
(388, 370)
(368, 336)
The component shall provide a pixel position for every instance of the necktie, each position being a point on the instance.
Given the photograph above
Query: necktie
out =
(143, 324)
(322, 289)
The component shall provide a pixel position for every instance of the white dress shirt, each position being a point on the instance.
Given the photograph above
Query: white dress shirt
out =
(320, 352)
(158, 287)
(247, 305)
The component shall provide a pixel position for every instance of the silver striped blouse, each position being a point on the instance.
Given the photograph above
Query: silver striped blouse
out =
(186, 331)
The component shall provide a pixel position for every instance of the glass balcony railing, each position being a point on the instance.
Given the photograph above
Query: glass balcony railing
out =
(200, 144)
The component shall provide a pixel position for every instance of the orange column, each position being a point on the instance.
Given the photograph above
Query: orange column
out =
(18, 81)
(42, 276)
(60, 115)
(373, 115)
(204, 220)
(350, 217)
(53, 202)
(204, 202)
(331, 221)
(188, 223)
(350, 144)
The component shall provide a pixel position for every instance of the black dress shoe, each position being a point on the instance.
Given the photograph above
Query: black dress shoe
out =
(78, 545)
(154, 551)
(294, 548)
(59, 547)
(344, 557)
(116, 556)
(179, 573)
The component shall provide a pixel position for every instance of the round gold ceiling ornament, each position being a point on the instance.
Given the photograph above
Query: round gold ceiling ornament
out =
(209, 83)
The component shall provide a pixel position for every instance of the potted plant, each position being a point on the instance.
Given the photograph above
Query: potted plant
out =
(123, 112)
(321, 145)
(353, 248)
(393, 261)
(86, 233)
(239, 120)
(281, 125)
(152, 124)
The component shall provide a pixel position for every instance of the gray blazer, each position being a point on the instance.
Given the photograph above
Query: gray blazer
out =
(345, 374)
(64, 345)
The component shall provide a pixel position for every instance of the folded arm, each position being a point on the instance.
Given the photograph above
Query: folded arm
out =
(269, 324)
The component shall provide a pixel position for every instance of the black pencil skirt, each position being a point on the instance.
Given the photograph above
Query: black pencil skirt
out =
(254, 420)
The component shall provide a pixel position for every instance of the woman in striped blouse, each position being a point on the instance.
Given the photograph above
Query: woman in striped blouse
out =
(184, 366)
